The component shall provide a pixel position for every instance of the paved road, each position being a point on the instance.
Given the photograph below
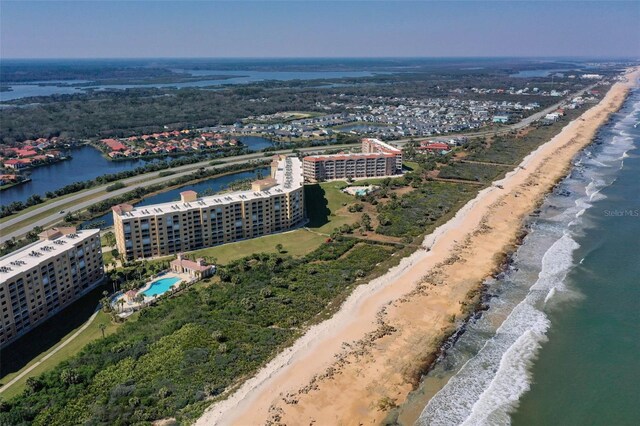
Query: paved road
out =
(152, 178)
(132, 183)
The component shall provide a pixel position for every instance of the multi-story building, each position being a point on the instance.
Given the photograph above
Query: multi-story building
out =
(274, 204)
(377, 159)
(343, 166)
(370, 145)
(44, 277)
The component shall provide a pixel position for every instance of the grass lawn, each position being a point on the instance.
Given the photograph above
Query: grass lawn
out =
(412, 166)
(324, 202)
(29, 349)
(326, 212)
(295, 243)
(107, 257)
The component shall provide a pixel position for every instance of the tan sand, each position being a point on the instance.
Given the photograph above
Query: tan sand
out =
(353, 367)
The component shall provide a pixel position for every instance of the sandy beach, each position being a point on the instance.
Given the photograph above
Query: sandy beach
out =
(354, 367)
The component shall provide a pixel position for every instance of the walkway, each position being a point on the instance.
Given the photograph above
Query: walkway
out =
(50, 354)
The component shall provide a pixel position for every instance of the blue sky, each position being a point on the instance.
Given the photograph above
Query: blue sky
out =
(93, 29)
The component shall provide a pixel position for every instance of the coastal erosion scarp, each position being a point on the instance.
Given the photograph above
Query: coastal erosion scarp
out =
(356, 366)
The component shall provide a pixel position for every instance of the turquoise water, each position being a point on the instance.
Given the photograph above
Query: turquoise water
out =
(160, 286)
(559, 344)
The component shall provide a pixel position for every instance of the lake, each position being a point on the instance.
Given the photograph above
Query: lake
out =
(234, 77)
(537, 73)
(87, 163)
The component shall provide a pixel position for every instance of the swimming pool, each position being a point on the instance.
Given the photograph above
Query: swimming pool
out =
(160, 286)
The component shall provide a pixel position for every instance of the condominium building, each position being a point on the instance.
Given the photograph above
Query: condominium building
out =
(44, 277)
(370, 145)
(272, 205)
(377, 159)
(343, 166)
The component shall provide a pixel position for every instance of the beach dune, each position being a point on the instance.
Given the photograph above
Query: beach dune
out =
(356, 366)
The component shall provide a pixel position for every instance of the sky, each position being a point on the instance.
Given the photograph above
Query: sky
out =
(144, 28)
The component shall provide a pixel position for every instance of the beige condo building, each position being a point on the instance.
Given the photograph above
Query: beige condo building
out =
(371, 146)
(272, 205)
(318, 168)
(377, 159)
(42, 278)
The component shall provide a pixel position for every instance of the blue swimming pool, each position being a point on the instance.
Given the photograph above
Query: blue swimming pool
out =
(160, 286)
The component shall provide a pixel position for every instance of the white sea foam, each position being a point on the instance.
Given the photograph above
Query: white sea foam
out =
(488, 386)
(550, 295)
(510, 382)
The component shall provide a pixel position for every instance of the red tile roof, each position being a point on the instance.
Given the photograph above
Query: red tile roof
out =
(26, 153)
(115, 145)
(435, 146)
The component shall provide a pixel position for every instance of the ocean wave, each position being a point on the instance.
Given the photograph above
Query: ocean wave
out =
(496, 372)
(487, 387)
(511, 381)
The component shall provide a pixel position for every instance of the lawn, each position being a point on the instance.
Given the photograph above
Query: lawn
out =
(324, 202)
(107, 257)
(296, 243)
(325, 209)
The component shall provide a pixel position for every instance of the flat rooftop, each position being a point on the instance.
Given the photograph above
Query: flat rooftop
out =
(350, 156)
(384, 145)
(288, 177)
(34, 254)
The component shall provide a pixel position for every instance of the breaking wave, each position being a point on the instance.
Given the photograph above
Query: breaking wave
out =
(486, 388)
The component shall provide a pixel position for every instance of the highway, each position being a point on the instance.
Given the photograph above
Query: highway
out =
(148, 179)
(53, 209)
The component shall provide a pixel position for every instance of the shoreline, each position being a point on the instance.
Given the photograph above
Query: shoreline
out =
(374, 349)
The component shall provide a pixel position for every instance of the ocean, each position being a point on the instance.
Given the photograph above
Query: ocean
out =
(560, 341)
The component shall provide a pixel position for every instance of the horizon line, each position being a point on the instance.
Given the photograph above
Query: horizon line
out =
(318, 57)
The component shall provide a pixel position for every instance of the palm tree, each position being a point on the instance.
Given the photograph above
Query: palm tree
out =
(121, 303)
(102, 327)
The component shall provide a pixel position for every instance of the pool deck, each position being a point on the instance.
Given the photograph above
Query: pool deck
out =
(130, 306)
(360, 190)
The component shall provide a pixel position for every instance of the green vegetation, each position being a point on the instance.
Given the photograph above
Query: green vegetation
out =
(294, 243)
(196, 345)
(323, 202)
(473, 172)
(419, 211)
(115, 186)
(46, 337)
(512, 148)
(100, 324)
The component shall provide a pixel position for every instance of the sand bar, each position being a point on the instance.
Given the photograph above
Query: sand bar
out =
(351, 368)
